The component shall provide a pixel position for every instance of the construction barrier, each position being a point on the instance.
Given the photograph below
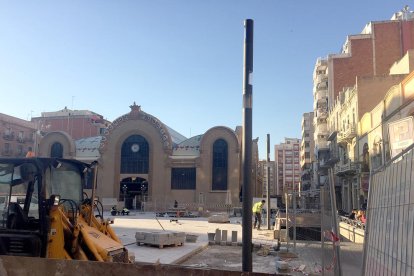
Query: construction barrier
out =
(388, 247)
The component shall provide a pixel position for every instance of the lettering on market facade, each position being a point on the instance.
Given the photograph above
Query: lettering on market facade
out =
(136, 114)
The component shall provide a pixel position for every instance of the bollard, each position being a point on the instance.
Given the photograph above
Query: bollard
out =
(218, 236)
(234, 237)
(223, 237)
(211, 238)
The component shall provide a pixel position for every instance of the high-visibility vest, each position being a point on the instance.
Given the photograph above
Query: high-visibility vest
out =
(257, 207)
(30, 154)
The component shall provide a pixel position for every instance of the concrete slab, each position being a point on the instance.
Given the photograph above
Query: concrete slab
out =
(126, 228)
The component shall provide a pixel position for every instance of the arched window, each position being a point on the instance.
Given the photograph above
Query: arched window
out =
(365, 158)
(377, 152)
(56, 150)
(220, 165)
(135, 155)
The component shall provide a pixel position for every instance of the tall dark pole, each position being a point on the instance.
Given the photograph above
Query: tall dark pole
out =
(268, 184)
(247, 145)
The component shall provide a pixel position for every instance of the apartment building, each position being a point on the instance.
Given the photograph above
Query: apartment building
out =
(76, 123)
(356, 79)
(370, 53)
(262, 177)
(17, 136)
(287, 163)
(320, 126)
(307, 156)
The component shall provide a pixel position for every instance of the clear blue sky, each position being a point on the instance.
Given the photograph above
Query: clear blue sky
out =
(181, 60)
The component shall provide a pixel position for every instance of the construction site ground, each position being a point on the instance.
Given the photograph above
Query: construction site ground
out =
(228, 257)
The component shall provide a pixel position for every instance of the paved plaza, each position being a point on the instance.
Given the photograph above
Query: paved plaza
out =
(200, 254)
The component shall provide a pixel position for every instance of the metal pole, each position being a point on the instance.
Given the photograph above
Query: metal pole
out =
(294, 221)
(247, 146)
(338, 270)
(268, 183)
(366, 235)
(322, 202)
(124, 189)
(287, 220)
(95, 181)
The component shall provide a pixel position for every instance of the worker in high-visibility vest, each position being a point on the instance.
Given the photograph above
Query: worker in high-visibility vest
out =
(30, 153)
(257, 211)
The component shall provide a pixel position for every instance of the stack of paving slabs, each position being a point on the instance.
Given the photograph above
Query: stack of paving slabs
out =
(160, 238)
(219, 218)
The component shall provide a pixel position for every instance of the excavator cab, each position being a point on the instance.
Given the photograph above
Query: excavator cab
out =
(43, 212)
(27, 188)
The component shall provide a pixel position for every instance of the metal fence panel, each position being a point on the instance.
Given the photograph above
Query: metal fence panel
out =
(388, 248)
(331, 259)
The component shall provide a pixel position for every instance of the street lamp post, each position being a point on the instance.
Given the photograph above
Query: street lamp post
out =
(124, 189)
(142, 196)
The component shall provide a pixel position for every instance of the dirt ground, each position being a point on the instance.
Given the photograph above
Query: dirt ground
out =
(304, 260)
(230, 258)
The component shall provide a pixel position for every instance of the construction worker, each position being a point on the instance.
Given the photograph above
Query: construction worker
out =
(257, 211)
(30, 153)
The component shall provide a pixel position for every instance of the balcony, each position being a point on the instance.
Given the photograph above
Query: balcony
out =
(330, 160)
(8, 136)
(348, 169)
(321, 129)
(321, 144)
(321, 95)
(319, 78)
(20, 139)
(320, 103)
(322, 113)
(347, 135)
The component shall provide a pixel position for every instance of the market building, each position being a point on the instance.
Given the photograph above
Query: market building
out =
(143, 163)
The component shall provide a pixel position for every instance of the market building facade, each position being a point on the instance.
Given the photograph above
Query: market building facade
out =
(142, 163)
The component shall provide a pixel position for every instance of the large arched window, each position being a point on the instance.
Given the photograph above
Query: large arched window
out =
(365, 158)
(56, 150)
(220, 165)
(135, 155)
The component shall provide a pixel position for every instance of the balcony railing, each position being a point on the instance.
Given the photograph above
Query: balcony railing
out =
(347, 135)
(322, 113)
(350, 168)
(321, 144)
(8, 136)
(20, 139)
(321, 95)
(321, 128)
(330, 160)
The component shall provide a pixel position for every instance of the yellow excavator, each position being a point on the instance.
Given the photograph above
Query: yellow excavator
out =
(45, 213)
